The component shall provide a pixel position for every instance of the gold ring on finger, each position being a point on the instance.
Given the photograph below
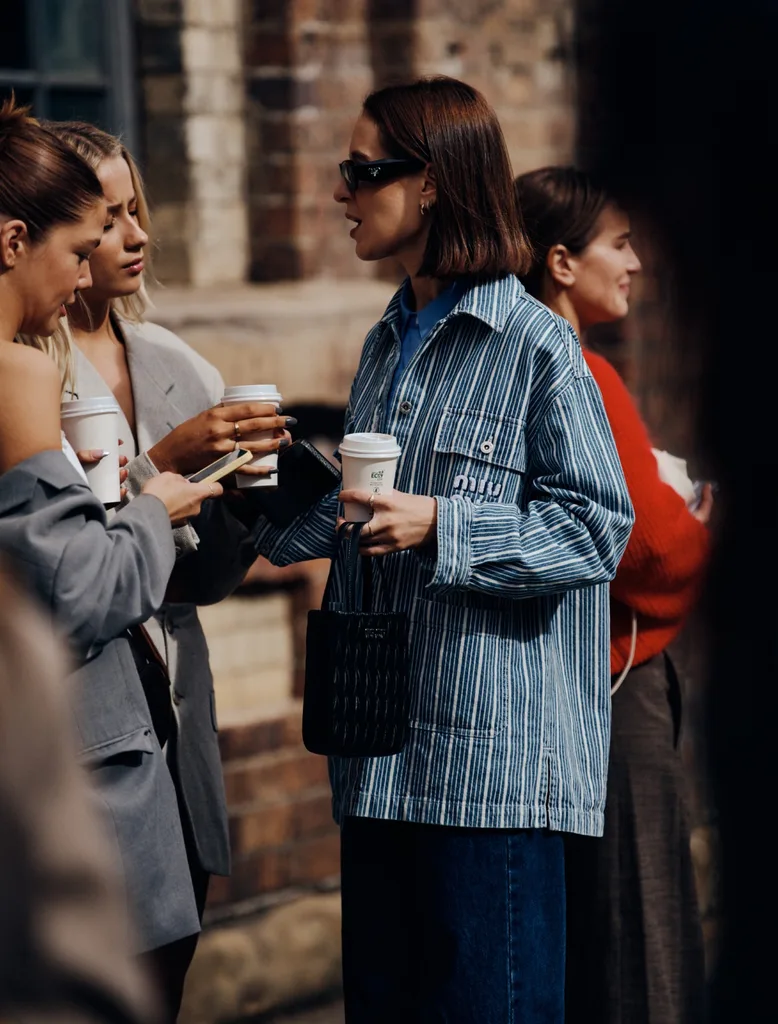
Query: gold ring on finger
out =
(370, 501)
(236, 428)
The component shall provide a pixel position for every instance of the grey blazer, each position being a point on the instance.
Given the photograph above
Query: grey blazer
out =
(96, 579)
(171, 383)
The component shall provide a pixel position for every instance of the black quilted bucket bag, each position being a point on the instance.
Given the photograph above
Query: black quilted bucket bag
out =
(357, 692)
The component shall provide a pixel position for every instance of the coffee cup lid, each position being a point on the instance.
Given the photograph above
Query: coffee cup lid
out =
(370, 446)
(87, 406)
(252, 393)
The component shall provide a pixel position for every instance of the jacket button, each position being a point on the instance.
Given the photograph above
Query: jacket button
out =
(487, 447)
(405, 406)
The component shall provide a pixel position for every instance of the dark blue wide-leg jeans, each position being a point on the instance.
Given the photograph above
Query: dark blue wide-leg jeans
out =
(452, 925)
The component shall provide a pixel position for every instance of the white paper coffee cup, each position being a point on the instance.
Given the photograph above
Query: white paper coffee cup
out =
(369, 463)
(268, 394)
(94, 423)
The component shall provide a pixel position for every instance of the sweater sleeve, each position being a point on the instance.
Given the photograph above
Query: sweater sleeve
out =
(667, 550)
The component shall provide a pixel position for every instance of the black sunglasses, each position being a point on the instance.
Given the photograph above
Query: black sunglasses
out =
(376, 171)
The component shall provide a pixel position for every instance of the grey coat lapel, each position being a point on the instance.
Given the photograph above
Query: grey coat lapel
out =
(154, 390)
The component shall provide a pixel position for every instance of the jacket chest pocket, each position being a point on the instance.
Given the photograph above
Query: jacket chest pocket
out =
(481, 456)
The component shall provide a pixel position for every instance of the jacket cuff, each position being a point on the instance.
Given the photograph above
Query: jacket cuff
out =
(452, 567)
(140, 470)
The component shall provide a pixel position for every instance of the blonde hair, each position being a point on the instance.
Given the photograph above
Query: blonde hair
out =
(94, 146)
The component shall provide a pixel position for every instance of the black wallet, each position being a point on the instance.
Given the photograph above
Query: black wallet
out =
(304, 476)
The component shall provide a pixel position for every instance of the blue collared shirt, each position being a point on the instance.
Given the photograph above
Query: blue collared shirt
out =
(414, 327)
(500, 419)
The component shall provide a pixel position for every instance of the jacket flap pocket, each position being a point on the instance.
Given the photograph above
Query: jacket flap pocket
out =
(489, 437)
(138, 741)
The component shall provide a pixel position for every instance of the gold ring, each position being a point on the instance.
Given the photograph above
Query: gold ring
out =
(370, 501)
(236, 428)
(370, 528)
(210, 488)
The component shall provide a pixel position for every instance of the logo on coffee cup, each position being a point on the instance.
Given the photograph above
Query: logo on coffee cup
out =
(377, 474)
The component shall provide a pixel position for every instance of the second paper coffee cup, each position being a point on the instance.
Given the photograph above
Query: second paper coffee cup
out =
(267, 394)
(369, 463)
(94, 423)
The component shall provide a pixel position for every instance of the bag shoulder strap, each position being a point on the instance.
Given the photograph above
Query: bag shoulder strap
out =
(346, 553)
(632, 648)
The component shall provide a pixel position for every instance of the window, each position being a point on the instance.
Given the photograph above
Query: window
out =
(71, 59)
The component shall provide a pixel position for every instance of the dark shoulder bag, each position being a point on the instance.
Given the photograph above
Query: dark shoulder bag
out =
(357, 690)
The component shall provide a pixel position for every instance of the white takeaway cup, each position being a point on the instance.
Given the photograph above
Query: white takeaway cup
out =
(369, 463)
(94, 423)
(267, 394)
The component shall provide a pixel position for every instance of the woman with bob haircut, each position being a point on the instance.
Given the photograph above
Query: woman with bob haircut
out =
(509, 519)
(634, 940)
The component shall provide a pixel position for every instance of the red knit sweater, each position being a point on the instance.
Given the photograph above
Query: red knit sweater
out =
(660, 572)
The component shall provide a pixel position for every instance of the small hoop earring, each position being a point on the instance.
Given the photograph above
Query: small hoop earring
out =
(424, 207)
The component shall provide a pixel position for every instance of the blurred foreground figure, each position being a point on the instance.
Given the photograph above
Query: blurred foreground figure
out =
(678, 105)
(64, 934)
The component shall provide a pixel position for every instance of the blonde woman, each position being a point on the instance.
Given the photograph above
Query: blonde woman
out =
(170, 419)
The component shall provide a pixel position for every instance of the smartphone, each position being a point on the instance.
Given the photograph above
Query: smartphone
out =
(222, 467)
(304, 476)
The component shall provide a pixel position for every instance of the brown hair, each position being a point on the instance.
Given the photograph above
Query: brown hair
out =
(42, 181)
(560, 206)
(476, 228)
(94, 145)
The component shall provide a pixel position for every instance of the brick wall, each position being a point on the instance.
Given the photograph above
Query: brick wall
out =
(307, 64)
(193, 147)
(281, 828)
(518, 53)
(250, 643)
(216, 139)
(248, 106)
(310, 62)
(159, 28)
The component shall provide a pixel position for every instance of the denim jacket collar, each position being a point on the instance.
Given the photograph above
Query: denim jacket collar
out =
(489, 301)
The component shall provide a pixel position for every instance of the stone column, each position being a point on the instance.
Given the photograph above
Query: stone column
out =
(215, 140)
(194, 151)
(163, 154)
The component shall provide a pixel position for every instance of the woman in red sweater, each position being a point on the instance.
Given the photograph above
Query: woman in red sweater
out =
(634, 938)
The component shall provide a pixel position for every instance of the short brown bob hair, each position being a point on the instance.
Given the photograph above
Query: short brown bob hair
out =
(476, 227)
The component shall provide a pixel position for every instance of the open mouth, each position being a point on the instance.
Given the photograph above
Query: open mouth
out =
(356, 221)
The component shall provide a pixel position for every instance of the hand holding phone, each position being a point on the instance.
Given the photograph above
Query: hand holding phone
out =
(181, 497)
(227, 464)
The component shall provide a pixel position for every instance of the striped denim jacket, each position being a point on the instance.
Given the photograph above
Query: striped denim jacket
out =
(500, 419)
